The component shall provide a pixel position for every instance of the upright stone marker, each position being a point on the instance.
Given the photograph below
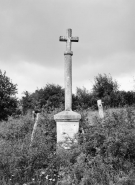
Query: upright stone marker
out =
(68, 120)
(100, 108)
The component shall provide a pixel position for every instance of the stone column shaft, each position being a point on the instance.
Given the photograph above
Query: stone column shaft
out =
(67, 121)
(68, 82)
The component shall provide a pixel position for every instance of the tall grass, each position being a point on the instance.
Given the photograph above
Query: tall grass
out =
(20, 163)
(104, 154)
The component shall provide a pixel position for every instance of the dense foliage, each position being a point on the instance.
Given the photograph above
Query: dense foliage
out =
(8, 101)
(20, 160)
(104, 155)
(48, 98)
(51, 97)
(105, 88)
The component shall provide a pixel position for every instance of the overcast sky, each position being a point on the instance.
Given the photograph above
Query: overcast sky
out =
(32, 56)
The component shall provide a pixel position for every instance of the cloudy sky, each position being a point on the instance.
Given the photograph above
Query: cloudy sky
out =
(32, 56)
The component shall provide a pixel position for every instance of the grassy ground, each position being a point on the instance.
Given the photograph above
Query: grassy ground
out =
(92, 114)
(105, 154)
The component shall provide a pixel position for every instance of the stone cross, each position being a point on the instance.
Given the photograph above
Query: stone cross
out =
(68, 67)
(67, 121)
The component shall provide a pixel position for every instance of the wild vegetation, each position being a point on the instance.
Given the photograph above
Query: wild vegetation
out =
(8, 101)
(51, 97)
(104, 154)
(104, 87)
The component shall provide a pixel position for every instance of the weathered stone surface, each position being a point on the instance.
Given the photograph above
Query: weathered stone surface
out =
(67, 116)
(68, 39)
(100, 108)
(66, 130)
(67, 121)
(67, 127)
(68, 67)
(68, 82)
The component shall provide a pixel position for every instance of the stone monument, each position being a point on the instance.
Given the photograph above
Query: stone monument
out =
(67, 121)
(100, 108)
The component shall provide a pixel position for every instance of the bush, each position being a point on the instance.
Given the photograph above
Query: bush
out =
(48, 98)
(105, 153)
(8, 101)
(21, 162)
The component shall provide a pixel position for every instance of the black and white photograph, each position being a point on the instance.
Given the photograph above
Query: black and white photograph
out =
(67, 92)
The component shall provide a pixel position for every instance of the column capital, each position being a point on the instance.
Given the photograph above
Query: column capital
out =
(68, 53)
(67, 116)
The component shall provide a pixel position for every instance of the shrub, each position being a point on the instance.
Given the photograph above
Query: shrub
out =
(106, 151)
(8, 101)
(104, 154)
(20, 162)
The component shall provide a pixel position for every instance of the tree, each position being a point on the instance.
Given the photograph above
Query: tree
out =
(84, 98)
(49, 97)
(26, 102)
(8, 101)
(104, 86)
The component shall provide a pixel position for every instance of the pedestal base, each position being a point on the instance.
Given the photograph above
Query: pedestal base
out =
(67, 127)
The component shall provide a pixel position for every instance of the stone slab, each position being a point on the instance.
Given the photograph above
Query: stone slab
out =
(100, 108)
(66, 130)
(67, 116)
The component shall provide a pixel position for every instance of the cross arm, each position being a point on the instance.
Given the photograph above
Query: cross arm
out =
(62, 38)
(74, 39)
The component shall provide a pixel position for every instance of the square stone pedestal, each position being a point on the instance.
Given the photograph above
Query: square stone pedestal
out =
(67, 123)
